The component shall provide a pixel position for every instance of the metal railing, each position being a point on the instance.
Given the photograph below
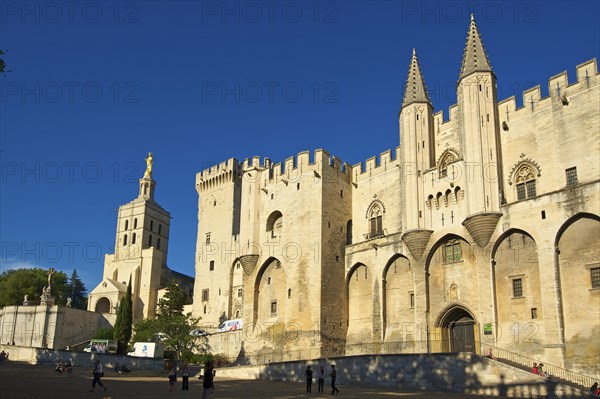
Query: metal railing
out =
(557, 374)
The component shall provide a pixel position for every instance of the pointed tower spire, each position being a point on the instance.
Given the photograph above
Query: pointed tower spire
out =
(474, 57)
(415, 90)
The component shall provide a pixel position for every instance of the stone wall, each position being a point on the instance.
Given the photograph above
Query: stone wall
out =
(54, 327)
(464, 372)
(79, 359)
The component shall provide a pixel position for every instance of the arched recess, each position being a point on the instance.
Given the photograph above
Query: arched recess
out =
(269, 294)
(359, 288)
(458, 330)
(274, 225)
(450, 279)
(236, 290)
(103, 305)
(577, 258)
(398, 300)
(448, 156)
(517, 292)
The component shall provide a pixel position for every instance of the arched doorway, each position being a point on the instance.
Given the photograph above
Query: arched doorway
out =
(458, 330)
(103, 305)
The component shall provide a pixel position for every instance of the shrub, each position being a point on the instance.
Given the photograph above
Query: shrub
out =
(201, 358)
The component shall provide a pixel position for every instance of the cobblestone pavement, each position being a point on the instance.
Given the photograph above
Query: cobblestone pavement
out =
(18, 381)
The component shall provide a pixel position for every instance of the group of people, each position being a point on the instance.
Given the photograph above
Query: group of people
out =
(539, 370)
(321, 379)
(121, 368)
(64, 367)
(207, 378)
(3, 356)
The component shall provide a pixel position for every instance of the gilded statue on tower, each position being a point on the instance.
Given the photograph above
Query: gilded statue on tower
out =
(148, 172)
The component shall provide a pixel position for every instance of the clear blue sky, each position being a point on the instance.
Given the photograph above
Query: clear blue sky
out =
(95, 85)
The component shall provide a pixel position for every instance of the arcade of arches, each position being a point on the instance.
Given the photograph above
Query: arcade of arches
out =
(528, 295)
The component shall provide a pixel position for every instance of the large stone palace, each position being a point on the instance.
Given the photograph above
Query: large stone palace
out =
(481, 227)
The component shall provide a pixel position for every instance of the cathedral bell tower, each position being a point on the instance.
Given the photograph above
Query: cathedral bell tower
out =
(142, 223)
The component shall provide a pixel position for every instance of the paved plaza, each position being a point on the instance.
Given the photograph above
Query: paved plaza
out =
(19, 380)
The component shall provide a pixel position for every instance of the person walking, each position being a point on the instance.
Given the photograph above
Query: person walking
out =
(98, 374)
(309, 374)
(321, 379)
(208, 377)
(172, 377)
(185, 375)
(333, 376)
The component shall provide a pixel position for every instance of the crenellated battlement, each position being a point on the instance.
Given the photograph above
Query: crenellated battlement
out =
(438, 117)
(376, 165)
(559, 88)
(217, 174)
(295, 165)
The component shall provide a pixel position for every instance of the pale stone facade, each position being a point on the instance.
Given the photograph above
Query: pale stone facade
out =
(43, 326)
(481, 228)
(141, 248)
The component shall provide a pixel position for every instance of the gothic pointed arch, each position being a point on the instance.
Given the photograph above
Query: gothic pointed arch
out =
(449, 156)
(577, 267)
(517, 286)
(359, 290)
(236, 288)
(452, 312)
(443, 242)
(270, 295)
(398, 299)
(374, 215)
(524, 174)
(456, 328)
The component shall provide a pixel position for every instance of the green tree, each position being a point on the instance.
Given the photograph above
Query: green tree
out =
(171, 326)
(123, 325)
(77, 292)
(105, 333)
(2, 64)
(15, 284)
(173, 301)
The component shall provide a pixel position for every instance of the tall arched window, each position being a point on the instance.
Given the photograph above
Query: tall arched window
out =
(525, 183)
(158, 243)
(375, 221)
(151, 225)
(159, 228)
(125, 239)
(150, 240)
(135, 223)
(133, 238)
(126, 224)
